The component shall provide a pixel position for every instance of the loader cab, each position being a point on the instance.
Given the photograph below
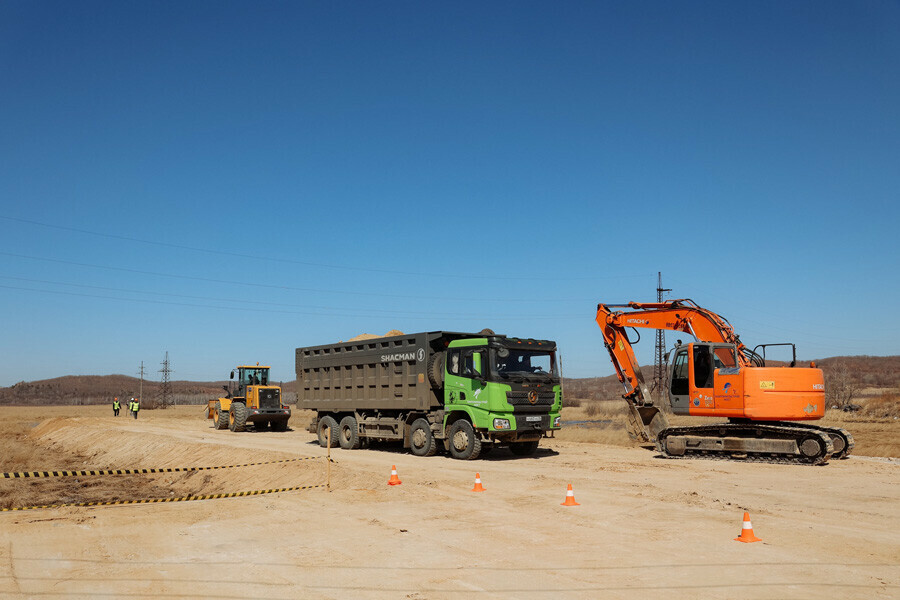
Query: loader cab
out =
(249, 376)
(695, 373)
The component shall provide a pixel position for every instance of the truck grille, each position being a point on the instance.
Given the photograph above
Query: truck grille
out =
(269, 398)
(540, 402)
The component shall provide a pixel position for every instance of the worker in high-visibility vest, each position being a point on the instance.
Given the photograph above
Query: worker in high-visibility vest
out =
(135, 407)
(116, 407)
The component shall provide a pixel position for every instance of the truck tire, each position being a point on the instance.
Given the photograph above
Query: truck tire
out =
(524, 448)
(326, 423)
(221, 417)
(464, 443)
(421, 439)
(436, 370)
(237, 418)
(349, 433)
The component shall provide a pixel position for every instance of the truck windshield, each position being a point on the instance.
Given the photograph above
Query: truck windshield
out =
(509, 363)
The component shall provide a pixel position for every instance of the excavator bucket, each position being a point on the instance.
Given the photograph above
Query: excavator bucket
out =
(646, 422)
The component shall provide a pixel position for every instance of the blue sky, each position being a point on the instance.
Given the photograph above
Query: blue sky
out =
(229, 181)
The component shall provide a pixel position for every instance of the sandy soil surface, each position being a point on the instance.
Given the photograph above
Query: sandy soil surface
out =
(646, 527)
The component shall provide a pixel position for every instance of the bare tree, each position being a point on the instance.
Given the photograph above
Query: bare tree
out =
(841, 387)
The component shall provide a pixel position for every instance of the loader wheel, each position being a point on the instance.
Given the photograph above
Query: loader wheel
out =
(464, 443)
(349, 433)
(221, 417)
(524, 448)
(237, 418)
(421, 439)
(326, 441)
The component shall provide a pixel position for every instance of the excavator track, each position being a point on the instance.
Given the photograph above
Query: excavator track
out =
(841, 439)
(755, 442)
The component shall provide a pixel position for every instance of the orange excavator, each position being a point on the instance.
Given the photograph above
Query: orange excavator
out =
(718, 376)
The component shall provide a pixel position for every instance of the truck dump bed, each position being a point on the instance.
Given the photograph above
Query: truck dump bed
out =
(384, 373)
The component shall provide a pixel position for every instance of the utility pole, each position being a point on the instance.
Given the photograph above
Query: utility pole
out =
(659, 367)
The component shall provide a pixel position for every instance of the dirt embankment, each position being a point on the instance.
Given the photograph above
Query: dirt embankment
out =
(645, 526)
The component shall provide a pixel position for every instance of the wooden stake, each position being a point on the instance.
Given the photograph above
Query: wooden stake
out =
(328, 459)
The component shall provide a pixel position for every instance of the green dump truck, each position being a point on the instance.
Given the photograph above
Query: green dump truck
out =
(435, 391)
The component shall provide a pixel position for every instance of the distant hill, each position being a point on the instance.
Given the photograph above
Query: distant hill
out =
(856, 372)
(100, 389)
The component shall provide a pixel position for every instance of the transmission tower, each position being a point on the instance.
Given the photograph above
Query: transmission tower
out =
(164, 395)
(659, 367)
(141, 389)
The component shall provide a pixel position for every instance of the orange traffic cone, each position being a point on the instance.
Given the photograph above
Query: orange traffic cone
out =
(394, 480)
(570, 497)
(747, 531)
(478, 487)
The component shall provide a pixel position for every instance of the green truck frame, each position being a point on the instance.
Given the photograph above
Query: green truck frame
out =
(465, 393)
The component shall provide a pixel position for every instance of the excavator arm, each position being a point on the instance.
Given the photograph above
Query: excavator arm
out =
(647, 420)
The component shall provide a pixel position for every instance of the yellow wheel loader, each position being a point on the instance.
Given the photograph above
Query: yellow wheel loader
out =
(249, 399)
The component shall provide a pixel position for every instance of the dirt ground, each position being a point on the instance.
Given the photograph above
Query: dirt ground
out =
(645, 525)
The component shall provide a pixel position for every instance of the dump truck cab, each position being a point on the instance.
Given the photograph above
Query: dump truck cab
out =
(509, 388)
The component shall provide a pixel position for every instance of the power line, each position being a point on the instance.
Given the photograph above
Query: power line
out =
(291, 312)
(240, 301)
(511, 299)
(442, 275)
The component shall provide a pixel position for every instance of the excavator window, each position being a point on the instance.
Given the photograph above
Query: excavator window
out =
(680, 374)
(702, 367)
(724, 358)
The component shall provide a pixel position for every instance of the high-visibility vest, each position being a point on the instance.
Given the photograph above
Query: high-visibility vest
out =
(116, 405)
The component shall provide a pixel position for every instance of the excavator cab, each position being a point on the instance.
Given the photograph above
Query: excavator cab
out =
(704, 379)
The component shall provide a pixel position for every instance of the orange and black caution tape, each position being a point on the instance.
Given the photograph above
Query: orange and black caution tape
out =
(140, 471)
(182, 499)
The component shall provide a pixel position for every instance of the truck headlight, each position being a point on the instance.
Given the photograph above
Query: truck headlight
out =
(556, 422)
(501, 423)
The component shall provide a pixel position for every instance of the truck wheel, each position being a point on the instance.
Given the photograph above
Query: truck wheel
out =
(237, 418)
(349, 433)
(421, 440)
(221, 417)
(436, 370)
(464, 444)
(326, 441)
(524, 448)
